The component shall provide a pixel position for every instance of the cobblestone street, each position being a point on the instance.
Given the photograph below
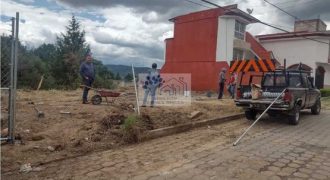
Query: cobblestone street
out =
(272, 150)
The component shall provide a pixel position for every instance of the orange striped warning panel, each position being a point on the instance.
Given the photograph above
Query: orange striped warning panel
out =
(253, 65)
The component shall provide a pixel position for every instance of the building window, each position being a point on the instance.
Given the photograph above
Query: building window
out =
(238, 54)
(239, 30)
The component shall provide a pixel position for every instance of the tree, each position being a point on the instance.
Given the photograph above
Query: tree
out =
(117, 76)
(129, 77)
(71, 48)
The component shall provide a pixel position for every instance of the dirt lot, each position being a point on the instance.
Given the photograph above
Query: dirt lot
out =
(70, 128)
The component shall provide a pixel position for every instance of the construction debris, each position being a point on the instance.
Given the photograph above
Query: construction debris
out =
(40, 114)
(25, 168)
(195, 114)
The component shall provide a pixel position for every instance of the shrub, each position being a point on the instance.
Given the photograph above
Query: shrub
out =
(325, 92)
(131, 130)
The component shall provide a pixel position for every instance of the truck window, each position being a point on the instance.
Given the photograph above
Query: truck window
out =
(279, 80)
(269, 80)
(295, 81)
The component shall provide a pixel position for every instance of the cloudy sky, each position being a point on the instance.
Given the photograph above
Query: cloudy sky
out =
(133, 31)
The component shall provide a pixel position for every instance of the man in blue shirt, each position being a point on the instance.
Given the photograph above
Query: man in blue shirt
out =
(87, 73)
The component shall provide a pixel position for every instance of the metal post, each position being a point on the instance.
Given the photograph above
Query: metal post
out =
(136, 95)
(235, 143)
(15, 75)
(11, 98)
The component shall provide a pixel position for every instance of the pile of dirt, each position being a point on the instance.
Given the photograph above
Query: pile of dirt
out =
(113, 120)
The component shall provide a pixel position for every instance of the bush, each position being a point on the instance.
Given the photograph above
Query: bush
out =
(131, 130)
(325, 92)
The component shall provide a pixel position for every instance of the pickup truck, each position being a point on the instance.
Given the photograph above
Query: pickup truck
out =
(300, 93)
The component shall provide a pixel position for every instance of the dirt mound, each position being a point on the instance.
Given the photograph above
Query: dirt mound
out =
(112, 120)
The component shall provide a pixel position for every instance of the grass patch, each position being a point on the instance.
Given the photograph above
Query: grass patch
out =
(325, 92)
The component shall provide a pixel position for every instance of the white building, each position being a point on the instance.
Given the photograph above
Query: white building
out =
(308, 44)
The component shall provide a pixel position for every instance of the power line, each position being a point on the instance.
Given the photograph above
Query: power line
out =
(196, 3)
(281, 9)
(264, 23)
(295, 17)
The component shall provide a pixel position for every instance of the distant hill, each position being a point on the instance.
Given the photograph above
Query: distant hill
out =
(124, 70)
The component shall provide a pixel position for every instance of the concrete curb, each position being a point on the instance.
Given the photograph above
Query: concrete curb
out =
(186, 127)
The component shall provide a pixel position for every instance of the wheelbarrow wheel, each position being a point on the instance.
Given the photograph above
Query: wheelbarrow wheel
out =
(96, 100)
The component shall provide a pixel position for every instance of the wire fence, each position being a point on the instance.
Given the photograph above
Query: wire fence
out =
(5, 74)
(8, 83)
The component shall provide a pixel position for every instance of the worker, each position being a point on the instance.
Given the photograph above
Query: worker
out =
(153, 81)
(222, 80)
(87, 73)
(232, 84)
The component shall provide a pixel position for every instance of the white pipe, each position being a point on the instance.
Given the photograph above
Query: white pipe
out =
(235, 143)
(136, 95)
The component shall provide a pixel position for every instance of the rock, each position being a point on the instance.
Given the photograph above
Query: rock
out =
(27, 130)
(25, 168)
(50, 148)
(195, 114)
(37, 138)
(38, 169)
(4, 132)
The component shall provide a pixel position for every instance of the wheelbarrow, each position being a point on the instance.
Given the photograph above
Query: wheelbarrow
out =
(97, 99)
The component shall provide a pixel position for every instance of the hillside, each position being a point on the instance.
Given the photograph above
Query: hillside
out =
(124, 70)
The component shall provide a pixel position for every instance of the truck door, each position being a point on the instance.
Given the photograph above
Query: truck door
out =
(313, 93)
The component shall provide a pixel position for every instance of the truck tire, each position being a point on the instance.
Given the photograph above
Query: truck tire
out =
(250, 115)
(294, 117)
(316, 109)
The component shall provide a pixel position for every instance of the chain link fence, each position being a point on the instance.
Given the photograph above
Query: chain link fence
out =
(5, 86)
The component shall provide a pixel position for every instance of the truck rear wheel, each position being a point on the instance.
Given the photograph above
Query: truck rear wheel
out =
(294, 117)
(250, 114)
(316, 109)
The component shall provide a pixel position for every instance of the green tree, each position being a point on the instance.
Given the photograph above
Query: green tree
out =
(117, 76)
(71, 48)
(129, 77)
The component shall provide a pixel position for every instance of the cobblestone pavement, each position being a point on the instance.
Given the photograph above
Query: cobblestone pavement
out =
(272, 150)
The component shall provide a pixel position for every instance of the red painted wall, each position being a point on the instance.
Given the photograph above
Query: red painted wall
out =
(193, 49)
(204, 75)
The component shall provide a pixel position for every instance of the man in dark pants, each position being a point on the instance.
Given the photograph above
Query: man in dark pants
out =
(222, 80)
(87, 73)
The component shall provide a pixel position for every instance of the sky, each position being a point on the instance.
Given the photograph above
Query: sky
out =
(133, 31)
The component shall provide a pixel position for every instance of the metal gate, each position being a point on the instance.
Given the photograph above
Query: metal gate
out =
(8, 84)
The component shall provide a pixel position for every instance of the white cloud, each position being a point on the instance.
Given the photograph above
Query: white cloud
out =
(122, 33)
